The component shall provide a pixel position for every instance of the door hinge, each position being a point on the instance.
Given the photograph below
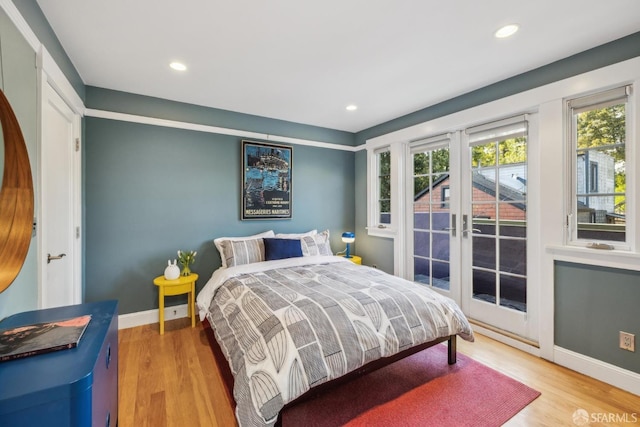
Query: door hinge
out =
(77, 144)
(77, 232)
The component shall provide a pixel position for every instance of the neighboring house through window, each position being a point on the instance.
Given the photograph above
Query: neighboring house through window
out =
(598, 130)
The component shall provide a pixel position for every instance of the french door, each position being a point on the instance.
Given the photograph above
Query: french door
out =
(468, 222)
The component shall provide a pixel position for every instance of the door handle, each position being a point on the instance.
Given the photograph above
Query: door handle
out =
(465, 225)
(52, 258)
(452, 229)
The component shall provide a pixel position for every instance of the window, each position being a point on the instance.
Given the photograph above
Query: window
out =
(383, 161)
(598, 133)
(381, 191)
(593, 177)
(445, 196)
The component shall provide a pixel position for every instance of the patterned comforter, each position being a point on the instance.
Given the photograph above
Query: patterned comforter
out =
(287, 327)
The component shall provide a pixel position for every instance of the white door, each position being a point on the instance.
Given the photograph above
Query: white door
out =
(59, 241)
(495, 285)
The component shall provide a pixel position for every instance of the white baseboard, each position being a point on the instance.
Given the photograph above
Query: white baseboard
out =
(605, 372)
(148, 317)
(506, 340)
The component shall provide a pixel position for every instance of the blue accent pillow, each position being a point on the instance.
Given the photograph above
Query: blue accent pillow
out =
(281, 248)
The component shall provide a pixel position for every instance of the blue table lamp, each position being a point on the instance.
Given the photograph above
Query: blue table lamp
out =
(348, 237)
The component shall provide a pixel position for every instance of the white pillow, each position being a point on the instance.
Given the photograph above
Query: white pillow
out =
(219, 240)
(296, 235)
(316, 245)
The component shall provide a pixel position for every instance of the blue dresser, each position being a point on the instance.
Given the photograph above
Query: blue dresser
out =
(71, 387)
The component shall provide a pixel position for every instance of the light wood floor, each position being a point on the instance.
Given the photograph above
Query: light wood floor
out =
(172, 380)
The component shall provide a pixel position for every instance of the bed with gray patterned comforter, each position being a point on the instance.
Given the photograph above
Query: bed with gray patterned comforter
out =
(286, 326)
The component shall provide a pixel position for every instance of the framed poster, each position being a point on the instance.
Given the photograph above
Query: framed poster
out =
(266, 180)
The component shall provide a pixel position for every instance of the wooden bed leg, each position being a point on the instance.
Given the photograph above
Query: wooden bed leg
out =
(452, 349)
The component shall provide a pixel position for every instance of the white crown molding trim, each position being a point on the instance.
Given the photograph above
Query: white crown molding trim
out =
(605, 372)
(102, 114)
(149, 317)
(14, 15)
(59, 82)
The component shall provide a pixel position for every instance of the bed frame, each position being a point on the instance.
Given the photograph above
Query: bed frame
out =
(227, 376)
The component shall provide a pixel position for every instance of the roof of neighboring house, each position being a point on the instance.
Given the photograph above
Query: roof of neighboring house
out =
(485, 185)
(436, 183)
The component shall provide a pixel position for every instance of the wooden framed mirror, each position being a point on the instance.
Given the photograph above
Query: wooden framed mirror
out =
(16, 198)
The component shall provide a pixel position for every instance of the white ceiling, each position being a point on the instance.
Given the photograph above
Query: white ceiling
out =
(306, 61)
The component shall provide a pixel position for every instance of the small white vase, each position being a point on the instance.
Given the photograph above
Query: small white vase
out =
(172, 272)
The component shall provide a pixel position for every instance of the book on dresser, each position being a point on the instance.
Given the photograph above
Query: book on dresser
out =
(44, 337)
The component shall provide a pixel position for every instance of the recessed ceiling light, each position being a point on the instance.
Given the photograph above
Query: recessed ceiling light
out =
(507, 31)
(178, 66)
(352, 107)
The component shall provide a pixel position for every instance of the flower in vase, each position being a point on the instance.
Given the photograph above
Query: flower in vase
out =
(186, 259)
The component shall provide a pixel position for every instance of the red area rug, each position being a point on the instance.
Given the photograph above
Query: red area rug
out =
(421, 390)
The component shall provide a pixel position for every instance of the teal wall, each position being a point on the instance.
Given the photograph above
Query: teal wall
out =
(19, 84)
(151, 190)
(593, 304)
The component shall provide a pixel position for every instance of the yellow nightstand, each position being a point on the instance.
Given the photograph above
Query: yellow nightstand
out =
(179, 286)
(354, 259)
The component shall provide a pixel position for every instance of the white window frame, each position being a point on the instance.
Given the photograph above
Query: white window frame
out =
(374, 226)
(586, 102)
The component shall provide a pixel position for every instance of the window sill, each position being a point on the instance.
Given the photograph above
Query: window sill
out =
(604, 258)
(389, 233)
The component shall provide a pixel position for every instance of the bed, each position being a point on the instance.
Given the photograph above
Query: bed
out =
(288, 319)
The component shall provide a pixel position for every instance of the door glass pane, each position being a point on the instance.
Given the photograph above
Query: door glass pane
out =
(422, 215)
(440, 161)
(484, 285)
(483, 155)
(484, 185)
(513, 219)
(440, 246)
(512, 151)
(513, 256)
(484, 252)
(513, 292)
(422, 270)
(512, 181)
(484, 218)
(421, 163)
(422, 244)
(440, 275)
